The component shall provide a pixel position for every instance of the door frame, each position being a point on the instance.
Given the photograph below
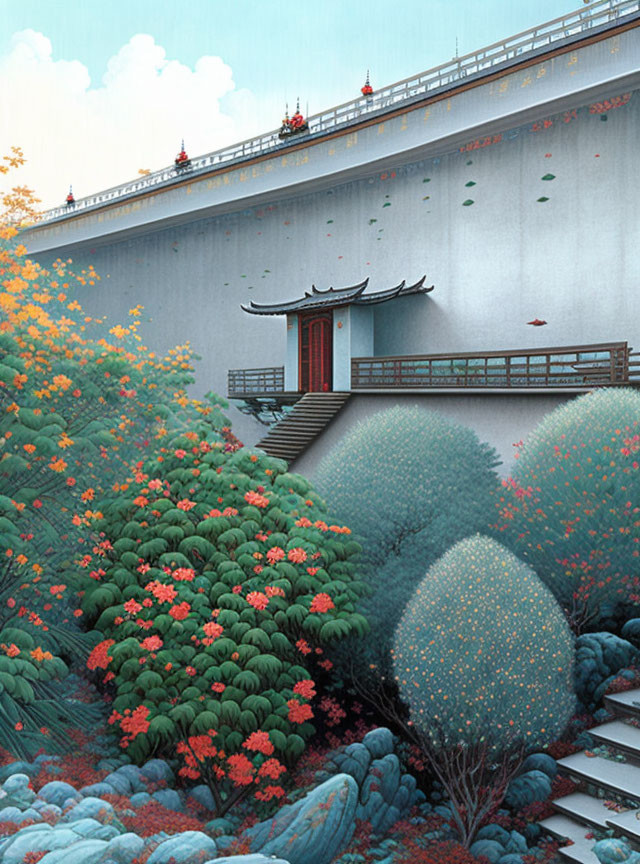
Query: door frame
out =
(305, 319)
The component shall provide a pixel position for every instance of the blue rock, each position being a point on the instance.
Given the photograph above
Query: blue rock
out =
(532, 832)
(631, 632)
(92, 829)
(139, 799)
(527, 788)
(355, 760)
(90, 808)
(97, 790)
(510, 858)
(169, 798)
(36, 838)
(379, 742)
(134, 776)
(11, 814)
(517, 844)
(387, 773)
(81, 852)
(313, 830)
(612, 851)
(17, 783)
(219, 826)
(30, 813)
(17, 768)
(492, 850)
(247, 859)
(540, 762)
(120, 783)
(56, 792)
(599, 658)
(224, 841)
(157, 770)
(47, 811)
(202, 794)
(124, 848)
(494, 832)
(190, 847)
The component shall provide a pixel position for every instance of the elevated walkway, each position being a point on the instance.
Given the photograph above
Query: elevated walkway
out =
(309, 417)
(602, 779)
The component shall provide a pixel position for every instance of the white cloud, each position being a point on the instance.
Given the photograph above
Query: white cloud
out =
(99, 136)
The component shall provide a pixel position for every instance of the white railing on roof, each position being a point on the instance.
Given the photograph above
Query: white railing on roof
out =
(601, 13)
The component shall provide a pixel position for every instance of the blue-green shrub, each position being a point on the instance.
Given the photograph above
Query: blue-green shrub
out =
(483, 649)
(572, 508)
(409, 483)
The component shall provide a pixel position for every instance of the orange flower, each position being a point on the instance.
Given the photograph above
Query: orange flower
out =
(321, 603)
(299, 713)
(58, 465)
(258, 600)
(297, 555)
(260, 742)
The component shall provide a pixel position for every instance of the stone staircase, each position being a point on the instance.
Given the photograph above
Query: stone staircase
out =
(309, 417)
(580, 813)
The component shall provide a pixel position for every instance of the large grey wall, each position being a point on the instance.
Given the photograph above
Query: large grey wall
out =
(501, 419)
(501, 243)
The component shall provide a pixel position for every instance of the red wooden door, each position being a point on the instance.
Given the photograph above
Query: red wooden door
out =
(315, 351)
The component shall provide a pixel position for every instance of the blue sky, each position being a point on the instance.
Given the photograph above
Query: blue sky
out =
(268, 51)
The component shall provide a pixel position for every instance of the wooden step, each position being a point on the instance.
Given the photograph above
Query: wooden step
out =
(619, 735)
(584, 808)
(565, 828)
(627, 823)
(627, 703)
(308, 419)
(620, 777)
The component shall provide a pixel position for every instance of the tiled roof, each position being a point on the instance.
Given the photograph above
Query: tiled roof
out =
(332, 297)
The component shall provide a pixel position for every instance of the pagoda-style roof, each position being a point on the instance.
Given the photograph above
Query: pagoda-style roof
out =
(332, 297)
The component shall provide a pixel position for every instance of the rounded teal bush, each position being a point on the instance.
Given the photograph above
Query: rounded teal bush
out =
(409, 483)
(483, 649)
(572, 508)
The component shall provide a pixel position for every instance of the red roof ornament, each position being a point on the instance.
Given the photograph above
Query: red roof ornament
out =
(70, 199)
(293, 125)
(537, 322)
(367, 90)
(182, 160)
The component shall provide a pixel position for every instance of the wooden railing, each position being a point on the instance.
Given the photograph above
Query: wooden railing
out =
(581, 366)
(242, 382)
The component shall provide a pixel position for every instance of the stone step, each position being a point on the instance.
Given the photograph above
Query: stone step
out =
(308, 419)
(626, 823)
(620, 777)
(584, 808)
(626, 703)
(620, 735)
(563, 828)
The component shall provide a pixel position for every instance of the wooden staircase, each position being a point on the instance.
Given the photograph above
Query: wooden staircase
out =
(309, 417)
(579, 813)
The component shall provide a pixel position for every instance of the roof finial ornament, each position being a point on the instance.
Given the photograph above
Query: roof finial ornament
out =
(70, 199)
(296, 124)
(182, 159)
(367, 90)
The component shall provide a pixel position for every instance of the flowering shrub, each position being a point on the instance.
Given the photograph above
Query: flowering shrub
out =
(214, 614)
(571, 508)
(79, 402)
(483, 658)
(427, 482)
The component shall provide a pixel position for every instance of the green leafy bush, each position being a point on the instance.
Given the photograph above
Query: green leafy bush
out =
(572, 508)
(409, 483)
(220, 580)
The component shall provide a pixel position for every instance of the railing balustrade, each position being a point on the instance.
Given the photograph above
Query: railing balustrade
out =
(599, 14)
(242, 382)
(581, 366)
